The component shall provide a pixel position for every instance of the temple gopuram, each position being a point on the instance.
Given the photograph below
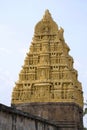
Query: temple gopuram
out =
(48, 84)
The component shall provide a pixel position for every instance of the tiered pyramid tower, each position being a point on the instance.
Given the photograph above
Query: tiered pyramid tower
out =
(47, 75)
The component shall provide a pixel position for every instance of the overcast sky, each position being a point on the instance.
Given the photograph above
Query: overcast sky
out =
(17, 21)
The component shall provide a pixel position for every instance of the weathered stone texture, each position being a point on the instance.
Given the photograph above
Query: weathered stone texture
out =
(48, 84)
(13, 119)
(63, 114)
(48, 74)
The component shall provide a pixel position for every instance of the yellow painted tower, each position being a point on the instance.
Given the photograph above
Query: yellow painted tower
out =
(48, 75)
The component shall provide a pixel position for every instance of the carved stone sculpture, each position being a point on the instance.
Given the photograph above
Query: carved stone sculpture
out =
(48, 74)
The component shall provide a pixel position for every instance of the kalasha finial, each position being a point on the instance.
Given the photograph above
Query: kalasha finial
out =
(47, 15)
(47, 11)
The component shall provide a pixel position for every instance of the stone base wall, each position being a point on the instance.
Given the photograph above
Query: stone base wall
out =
(59, 119)
(65, 115)
(13, 119)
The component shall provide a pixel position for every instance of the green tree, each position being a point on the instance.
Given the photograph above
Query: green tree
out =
(85, 112)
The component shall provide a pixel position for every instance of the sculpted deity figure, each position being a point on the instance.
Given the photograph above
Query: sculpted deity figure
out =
(61, 31)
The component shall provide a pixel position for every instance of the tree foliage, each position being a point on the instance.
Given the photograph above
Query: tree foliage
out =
(85, 112)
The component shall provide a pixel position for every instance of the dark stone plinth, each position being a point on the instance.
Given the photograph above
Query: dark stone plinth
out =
(65, 115)
(14, 119)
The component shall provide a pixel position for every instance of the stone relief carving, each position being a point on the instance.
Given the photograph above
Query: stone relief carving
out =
(47, 62)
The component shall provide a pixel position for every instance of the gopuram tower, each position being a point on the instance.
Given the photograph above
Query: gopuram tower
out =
(48, 84)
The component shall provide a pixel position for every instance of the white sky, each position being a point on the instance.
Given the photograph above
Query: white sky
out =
(17, 21)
